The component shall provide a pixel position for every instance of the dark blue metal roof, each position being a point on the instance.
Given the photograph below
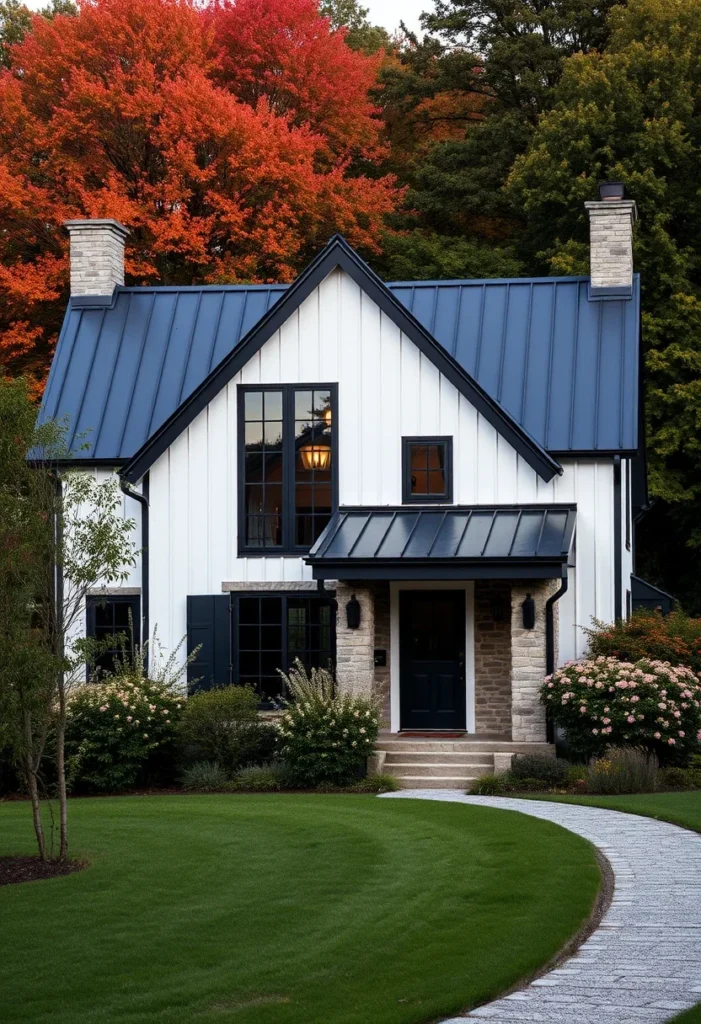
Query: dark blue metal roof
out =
(564, 367)
(445, 541)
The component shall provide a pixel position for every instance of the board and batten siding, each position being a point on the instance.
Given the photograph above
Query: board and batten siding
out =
(386, 389)
(129, 509)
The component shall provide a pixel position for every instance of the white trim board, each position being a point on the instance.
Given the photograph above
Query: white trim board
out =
(394, 672)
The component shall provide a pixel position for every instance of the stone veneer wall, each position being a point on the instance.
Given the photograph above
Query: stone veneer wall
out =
(528, 661)
(492, 658)
(355, 648)
(381, 687)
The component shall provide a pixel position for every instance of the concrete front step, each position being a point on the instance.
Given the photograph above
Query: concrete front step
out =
(432, 782)
(464, 746)
(456, 757)
(438, 771)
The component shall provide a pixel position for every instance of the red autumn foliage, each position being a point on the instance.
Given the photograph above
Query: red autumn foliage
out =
(167, 116)
(282, 52)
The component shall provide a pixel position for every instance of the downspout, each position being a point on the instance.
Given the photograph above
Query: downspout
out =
(550, 639)
(617, 541)
(143, 500)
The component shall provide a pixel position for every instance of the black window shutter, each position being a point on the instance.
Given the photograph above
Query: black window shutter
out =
(209, 628)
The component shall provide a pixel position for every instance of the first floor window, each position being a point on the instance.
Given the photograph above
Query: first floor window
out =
(107, 618)
(272, 631)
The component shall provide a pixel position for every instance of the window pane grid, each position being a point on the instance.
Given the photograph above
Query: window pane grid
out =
(263, 468)
(288, 466)
(427, 469)
(108, 617)
(313, 458)
(273, 632)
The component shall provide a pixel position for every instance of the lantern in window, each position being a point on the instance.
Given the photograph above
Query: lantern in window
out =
(316, 456)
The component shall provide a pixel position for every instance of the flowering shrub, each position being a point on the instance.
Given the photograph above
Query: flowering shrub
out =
(675, 638)
(324, 736)
(117, 730)
(603, 702)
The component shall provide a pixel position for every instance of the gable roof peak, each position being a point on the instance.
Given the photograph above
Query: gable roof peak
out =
(338, 253)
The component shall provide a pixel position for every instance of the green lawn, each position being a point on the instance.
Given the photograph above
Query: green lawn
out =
(680, 808)
(290, 909)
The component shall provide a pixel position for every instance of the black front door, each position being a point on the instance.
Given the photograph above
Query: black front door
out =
(432, 659)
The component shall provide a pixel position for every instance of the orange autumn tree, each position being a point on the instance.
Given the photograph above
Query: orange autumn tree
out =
(131, 110)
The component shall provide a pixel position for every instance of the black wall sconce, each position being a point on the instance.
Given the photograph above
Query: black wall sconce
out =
(353, 613)
(498, 610)
(528, 611)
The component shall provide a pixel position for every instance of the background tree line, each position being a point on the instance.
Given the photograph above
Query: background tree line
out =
(234, 139)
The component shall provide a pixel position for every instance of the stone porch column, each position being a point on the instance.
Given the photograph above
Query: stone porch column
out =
(355, 648)
(528, 662)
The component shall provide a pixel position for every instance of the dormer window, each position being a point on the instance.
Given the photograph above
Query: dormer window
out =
(427, 470)
(288, 467)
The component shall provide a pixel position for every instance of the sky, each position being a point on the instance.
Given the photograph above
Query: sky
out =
(387, 13)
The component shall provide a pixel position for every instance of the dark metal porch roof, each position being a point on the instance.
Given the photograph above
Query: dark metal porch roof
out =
(526, 541)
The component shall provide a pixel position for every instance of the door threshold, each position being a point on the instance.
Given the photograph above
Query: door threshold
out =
(429, 733)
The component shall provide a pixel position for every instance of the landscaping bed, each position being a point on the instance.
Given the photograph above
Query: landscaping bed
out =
(14, 870)
(290, 909)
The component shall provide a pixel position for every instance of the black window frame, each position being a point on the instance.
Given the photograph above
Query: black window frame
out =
(427, 499)
(284, 596)
(288, 546)
(95, 601)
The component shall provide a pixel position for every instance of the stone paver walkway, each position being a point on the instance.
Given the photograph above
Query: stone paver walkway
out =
(642, 965)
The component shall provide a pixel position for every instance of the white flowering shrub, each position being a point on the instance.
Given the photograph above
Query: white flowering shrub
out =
(120, 731)
(604, 702)
(324, 736)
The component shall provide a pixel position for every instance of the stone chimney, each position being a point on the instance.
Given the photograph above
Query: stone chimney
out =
(611, 221)
(97, 256)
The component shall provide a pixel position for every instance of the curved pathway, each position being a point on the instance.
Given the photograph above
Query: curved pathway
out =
(642, 965)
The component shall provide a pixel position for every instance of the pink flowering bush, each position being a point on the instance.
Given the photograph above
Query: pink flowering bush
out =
(604, 702)
(120, 732)
(325, 737)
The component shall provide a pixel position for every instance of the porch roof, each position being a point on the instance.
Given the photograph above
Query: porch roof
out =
(460, 542)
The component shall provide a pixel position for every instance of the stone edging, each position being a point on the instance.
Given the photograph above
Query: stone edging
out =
(642, 965)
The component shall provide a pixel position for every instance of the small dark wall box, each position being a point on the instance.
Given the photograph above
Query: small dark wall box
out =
(353, 613)
(528, 612)
(380, 658)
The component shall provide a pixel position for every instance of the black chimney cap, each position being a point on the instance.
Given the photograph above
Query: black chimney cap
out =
(611, 190)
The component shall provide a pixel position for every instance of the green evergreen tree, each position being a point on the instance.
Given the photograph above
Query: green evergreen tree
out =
(498, 62)
(632, 113)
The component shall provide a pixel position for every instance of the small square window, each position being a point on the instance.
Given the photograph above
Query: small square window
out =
(427, 470)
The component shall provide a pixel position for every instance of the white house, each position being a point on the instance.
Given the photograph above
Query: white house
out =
(431, 485)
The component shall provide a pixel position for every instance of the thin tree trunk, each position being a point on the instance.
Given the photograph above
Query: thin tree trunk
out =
(61, 767)
(31, 777)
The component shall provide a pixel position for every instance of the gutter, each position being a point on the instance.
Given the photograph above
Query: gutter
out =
(143, 500)
(550, 639)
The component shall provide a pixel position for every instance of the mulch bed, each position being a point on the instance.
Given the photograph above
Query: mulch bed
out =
(31, 869)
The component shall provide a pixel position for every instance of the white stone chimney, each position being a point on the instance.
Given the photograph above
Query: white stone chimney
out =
(611, 221)
(97, 256)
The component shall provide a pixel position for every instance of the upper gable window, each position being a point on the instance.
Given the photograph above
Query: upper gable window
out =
(288, 465)
(427, 469)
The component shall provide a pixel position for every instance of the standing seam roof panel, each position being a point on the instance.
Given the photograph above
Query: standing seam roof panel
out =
(564, 367)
